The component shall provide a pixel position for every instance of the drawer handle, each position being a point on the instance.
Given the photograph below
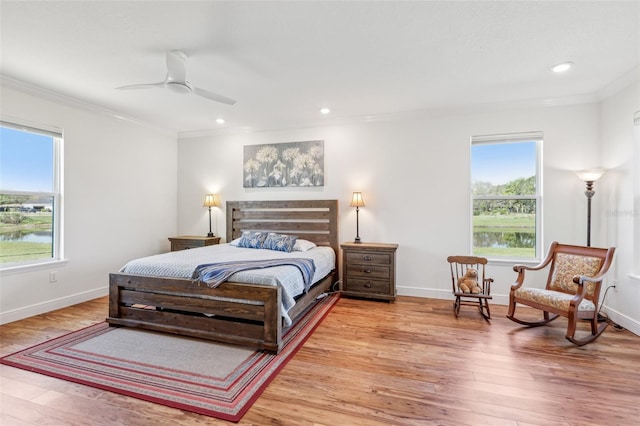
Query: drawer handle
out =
(367, 285)
(367, 271)
(367, 258)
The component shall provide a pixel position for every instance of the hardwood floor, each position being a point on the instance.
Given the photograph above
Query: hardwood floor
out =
(373, 363)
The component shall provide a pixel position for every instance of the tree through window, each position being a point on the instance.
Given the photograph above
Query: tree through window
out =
(506, 195)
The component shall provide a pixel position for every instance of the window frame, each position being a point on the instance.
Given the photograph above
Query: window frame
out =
(635, 273)
(538, 138)
(56, 195)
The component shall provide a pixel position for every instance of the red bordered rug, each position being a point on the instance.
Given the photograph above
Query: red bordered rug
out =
(204, 377)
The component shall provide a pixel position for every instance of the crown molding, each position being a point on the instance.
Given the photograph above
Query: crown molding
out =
(620, 83)
(625, 80)
(70, 101)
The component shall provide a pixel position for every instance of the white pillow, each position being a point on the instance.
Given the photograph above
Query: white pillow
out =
(235, 242)
(303, 245)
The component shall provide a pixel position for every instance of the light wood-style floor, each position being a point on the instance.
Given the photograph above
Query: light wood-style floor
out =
(373, 363)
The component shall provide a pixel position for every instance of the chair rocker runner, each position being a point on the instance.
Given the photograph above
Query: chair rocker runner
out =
(572, 289)
(459, 266)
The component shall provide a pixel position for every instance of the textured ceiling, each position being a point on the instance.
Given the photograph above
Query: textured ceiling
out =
(282, 61)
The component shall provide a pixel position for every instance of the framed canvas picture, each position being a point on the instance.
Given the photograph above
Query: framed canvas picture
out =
(284, 164)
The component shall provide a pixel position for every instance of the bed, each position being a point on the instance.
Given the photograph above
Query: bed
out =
(234, 312)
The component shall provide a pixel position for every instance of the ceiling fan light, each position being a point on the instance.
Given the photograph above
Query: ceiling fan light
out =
(178, 87)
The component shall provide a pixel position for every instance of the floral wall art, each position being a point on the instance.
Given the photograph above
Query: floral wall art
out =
(284, 164)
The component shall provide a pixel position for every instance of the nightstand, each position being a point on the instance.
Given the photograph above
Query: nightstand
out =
(369, 270)
(188, 242)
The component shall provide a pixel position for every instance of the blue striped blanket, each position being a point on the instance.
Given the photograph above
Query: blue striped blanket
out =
(213, 274)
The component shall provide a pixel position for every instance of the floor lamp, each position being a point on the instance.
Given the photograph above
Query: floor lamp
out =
(589, 177)
(357, 202)
(211, 200)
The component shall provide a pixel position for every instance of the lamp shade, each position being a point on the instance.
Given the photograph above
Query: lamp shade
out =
(591, 175)
(356, 200)
(211, 200)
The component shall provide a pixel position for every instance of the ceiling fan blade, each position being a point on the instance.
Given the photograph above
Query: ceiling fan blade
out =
(213, 96)
(176, 80)
(141, 86)
(176, 66)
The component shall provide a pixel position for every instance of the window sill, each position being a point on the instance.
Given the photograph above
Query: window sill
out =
(511, 262)
(19, 269)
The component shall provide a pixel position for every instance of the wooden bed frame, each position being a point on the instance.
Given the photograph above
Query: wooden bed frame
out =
(181, 307)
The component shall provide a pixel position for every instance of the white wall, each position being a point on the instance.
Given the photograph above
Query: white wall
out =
(617, 213)
(119, 201)
(414, 175)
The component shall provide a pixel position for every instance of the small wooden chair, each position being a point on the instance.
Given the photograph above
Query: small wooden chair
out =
(572, 289)
(459, 266)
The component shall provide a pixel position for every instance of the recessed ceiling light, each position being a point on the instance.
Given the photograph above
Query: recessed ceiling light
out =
(220, 120)
(560, 68)
(325, 110)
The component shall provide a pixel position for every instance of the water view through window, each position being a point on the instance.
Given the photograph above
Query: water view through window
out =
(505, 197)
(27, 195)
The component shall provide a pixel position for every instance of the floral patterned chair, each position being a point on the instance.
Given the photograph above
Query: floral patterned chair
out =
(572, 289)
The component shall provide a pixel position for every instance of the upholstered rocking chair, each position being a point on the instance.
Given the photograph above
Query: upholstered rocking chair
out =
(572, 289)
(459, 265)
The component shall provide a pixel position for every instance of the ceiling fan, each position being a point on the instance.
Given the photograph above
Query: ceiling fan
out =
(177, 82)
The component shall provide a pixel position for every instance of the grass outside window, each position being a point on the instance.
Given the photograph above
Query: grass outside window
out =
(12, 249)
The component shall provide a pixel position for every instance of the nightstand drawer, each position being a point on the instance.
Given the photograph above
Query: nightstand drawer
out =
(367, 271)
(185, 245)
(369, 258)
(188, 242)
(362, 285)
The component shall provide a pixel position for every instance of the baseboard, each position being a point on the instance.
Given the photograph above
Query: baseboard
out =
(622, 320)
(51, 305)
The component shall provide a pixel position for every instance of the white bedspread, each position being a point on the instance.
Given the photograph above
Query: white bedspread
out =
(181, 264)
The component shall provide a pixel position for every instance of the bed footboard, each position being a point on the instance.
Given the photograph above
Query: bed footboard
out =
(182, 307)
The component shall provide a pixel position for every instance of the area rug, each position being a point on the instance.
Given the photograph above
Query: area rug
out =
(214, 379)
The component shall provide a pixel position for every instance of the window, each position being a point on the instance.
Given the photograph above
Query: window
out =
(29, 195)
(506, 196)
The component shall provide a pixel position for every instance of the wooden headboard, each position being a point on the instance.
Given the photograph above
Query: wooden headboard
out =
(313, 220)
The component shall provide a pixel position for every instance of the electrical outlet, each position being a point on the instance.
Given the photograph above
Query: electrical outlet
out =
(53, 277)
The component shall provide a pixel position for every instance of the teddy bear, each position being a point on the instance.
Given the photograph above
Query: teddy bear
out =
(468, 283)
